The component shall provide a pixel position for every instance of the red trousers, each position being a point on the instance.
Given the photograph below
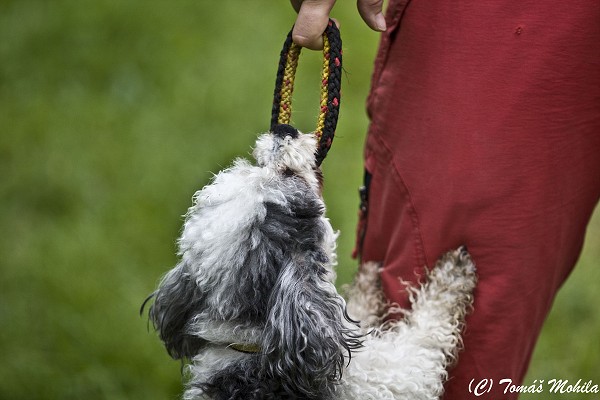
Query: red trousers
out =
(485, 131)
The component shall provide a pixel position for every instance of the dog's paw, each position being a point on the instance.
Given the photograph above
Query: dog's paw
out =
(456, 263)
(454, 274)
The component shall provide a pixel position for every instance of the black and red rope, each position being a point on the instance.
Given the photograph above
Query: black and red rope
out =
(330, 87)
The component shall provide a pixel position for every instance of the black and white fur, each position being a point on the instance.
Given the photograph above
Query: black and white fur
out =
(253, 306)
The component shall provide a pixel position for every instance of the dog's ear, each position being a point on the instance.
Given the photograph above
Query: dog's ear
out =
(176, 301)
(307, 335)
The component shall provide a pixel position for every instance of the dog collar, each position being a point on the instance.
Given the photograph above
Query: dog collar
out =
(248, 348)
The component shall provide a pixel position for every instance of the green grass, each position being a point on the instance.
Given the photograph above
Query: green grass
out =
(569, 346)
(112, 113)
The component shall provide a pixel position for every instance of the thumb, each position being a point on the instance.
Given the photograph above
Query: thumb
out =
(370, 11)
(313, 17)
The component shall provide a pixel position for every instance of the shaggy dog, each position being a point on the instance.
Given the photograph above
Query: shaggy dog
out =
(252, 303)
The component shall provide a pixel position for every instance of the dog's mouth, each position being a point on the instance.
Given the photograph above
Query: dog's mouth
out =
(290, 153)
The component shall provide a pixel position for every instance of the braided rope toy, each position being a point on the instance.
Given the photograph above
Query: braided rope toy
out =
(330, 87)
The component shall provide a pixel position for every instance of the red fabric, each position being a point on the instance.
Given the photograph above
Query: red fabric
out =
(485, 131)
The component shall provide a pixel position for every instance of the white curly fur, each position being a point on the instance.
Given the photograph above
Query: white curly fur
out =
(408, 358)
(229, 288)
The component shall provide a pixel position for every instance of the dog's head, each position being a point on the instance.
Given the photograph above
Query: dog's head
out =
(257, 256)
(289, 152)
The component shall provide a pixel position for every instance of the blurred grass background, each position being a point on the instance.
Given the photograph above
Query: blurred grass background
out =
(112, 113)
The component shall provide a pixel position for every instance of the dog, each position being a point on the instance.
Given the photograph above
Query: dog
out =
(252, 304)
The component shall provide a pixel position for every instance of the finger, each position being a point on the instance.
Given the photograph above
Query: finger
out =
(370, 11)
(312, 20)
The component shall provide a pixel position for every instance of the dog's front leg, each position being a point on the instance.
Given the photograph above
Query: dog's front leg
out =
(438, 315)
(365, 301)
(441, 304)
(406, 359)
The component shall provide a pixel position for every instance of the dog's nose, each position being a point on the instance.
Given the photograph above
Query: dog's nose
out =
(283, 130)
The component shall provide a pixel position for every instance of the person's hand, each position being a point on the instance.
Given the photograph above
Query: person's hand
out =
(313, 16)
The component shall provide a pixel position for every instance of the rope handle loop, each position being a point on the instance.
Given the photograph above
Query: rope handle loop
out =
(331, 82)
